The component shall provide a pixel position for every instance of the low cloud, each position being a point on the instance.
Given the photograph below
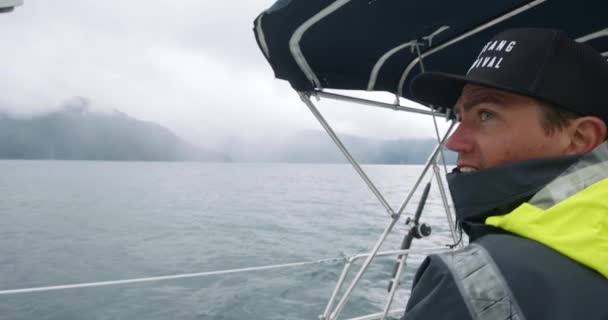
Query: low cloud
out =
(192, 66)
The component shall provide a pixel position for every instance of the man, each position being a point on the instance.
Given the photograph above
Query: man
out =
(531, 184)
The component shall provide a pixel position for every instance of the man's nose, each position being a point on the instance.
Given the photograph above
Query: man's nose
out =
(460, 140)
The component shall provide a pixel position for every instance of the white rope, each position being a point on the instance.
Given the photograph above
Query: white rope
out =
(162, 278)
(215, 273)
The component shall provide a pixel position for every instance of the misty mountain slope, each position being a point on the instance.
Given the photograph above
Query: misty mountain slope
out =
(75, 133)
(310, 146)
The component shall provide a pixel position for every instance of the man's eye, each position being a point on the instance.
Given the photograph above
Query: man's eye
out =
(485, 115)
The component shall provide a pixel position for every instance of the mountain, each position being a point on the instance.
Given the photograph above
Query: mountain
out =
(77, 133)
(310, 146)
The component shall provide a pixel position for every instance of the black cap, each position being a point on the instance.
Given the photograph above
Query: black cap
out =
(539, 63)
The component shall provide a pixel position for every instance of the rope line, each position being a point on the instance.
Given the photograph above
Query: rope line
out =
(214, 273)
(163, 278)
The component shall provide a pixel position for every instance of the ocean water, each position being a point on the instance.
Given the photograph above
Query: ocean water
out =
(65, 222)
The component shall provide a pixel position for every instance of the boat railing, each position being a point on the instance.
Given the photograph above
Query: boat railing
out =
(335, 305)
(348, 264)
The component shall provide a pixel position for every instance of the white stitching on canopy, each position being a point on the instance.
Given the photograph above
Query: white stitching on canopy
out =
(374, 75)
(294, 42)
(261, 36)
(461, 37)
(430, 37)
(594, 35)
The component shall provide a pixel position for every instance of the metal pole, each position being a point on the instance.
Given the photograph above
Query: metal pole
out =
(445, 168)
(352, 259)
(391, 296)
(430, 162)
(334, 294)
(372, 103)
(422, 69)
(442, 192)
(403, 259)
(306, 99)
(364, 267)
(446, 205)
(406, 244)
(395, 216)
(424, 171)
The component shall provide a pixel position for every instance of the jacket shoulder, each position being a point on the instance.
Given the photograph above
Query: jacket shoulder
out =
(434, 293)
(547, 284)
(461, 284)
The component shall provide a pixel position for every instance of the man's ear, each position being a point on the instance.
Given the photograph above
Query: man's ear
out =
(586, 133)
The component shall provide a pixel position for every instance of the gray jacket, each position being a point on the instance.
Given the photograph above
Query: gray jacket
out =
(502, 275)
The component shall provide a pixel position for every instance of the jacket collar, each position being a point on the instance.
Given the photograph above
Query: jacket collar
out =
(569, 214)
(588, 170)
(500, 189)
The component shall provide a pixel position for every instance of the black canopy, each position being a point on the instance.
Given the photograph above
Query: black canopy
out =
(371, 44)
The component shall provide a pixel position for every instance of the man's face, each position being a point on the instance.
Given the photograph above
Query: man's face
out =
(497, 127)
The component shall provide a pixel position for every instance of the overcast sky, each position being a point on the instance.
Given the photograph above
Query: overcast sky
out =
(190, 65)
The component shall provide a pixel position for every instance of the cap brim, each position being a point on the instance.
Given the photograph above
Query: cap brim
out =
(437, 89)
(443, 89)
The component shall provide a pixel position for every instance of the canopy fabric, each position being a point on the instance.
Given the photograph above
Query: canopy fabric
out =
(372, 44)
